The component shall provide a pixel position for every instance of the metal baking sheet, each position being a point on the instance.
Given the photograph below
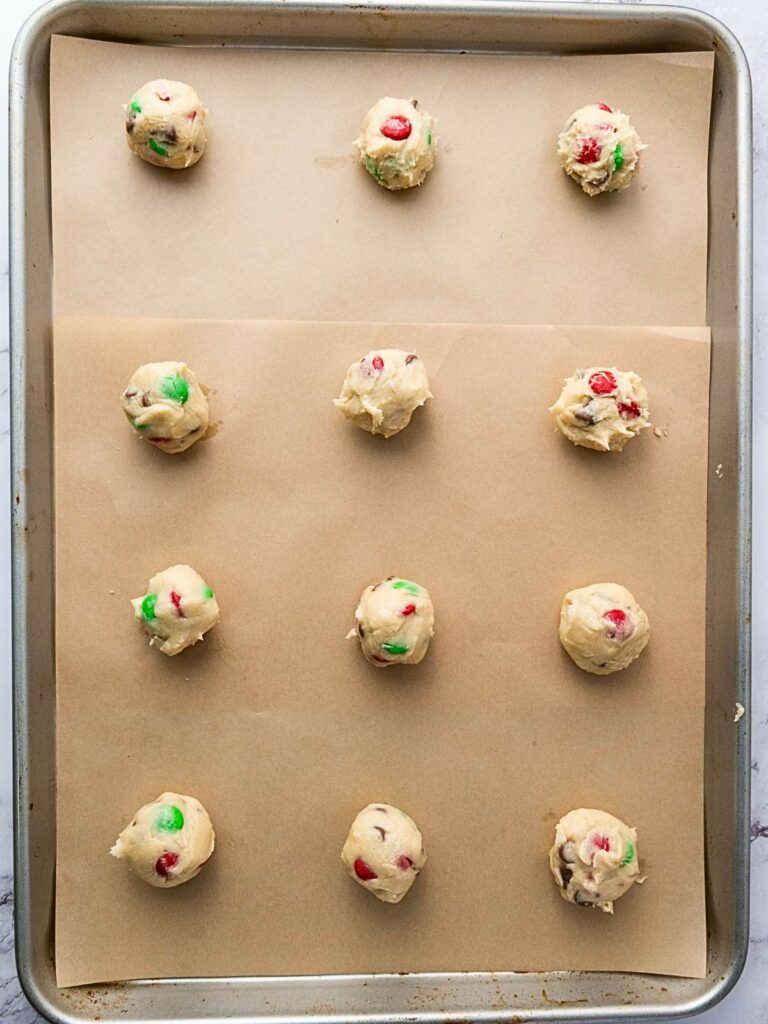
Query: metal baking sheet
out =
(435, 27)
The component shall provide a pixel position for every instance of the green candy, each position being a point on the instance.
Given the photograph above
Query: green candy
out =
(618, 157)
(174, 387)
(429, 138)
(148, 607)
(169, 818)
(412, 588)
(207, 593)
(629, 856)
(154, 144)
(134, 106)
(139, 426)
(372, 168)
(395, 648)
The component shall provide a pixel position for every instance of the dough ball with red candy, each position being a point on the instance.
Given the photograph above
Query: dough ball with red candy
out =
(168, 841)
(383, 390)
(165, 405)
(602, 408)
(165, 124)
(384, 851)
(397, 143)
(177, 610)
(603, 628)
(594, 858)
(599, 148)
(394, 622)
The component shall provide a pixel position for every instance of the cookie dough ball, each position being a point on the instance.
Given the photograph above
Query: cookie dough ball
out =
(166, 406)
(165, 124)
(602, 409)
(397, 143)
(382, 390)
(384, 851)
(603, 628)
(599, 149)
(178, 608)
(394, 621)
(168, 841)
(594, 858)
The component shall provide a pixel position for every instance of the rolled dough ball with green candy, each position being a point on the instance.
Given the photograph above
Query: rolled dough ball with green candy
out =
(599, 148)
(593, 859)
(165, 124)
(177, 610)
(397, 143)
(394, 622)
(166, 406)
(168, 841)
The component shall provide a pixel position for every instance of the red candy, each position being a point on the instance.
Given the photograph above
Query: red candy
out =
(363, 871)
(165, 862)
(159, 440)
(602, 383)
(602, 843)
(604, 106)
(620, 623)
(378, 363)
(193, 115)
(409, 609)
(404, 863)
(176, 598)
(382, 661)
(396, 127)
(590, 151)
(630, 409)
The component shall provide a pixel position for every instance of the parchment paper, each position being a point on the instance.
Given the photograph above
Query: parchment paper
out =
(278, 221)
(279, 725)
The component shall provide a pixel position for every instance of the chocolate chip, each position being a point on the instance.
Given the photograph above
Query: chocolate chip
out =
(360, 630)
(415, 104)
(129, 126)
(382, 809)
(146, 400)
(380, 830)
(168, 135)
(566, 874)
(585, 416)
(130, 394)
(409, 359)
(567, 852)
(598, 182)
(389, 578)
(581, 902)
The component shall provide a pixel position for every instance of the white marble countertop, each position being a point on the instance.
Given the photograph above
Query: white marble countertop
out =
(748, 1002)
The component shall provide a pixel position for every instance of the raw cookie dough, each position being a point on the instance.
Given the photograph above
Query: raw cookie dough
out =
(168, 841)
(602, 409)
(165, 124)
(397, 143)
(603, 628)
(177, 609)
(384, 851)
(382, 390)
(165, 405)
(600, 149)
(594, 858)
(394, 621)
